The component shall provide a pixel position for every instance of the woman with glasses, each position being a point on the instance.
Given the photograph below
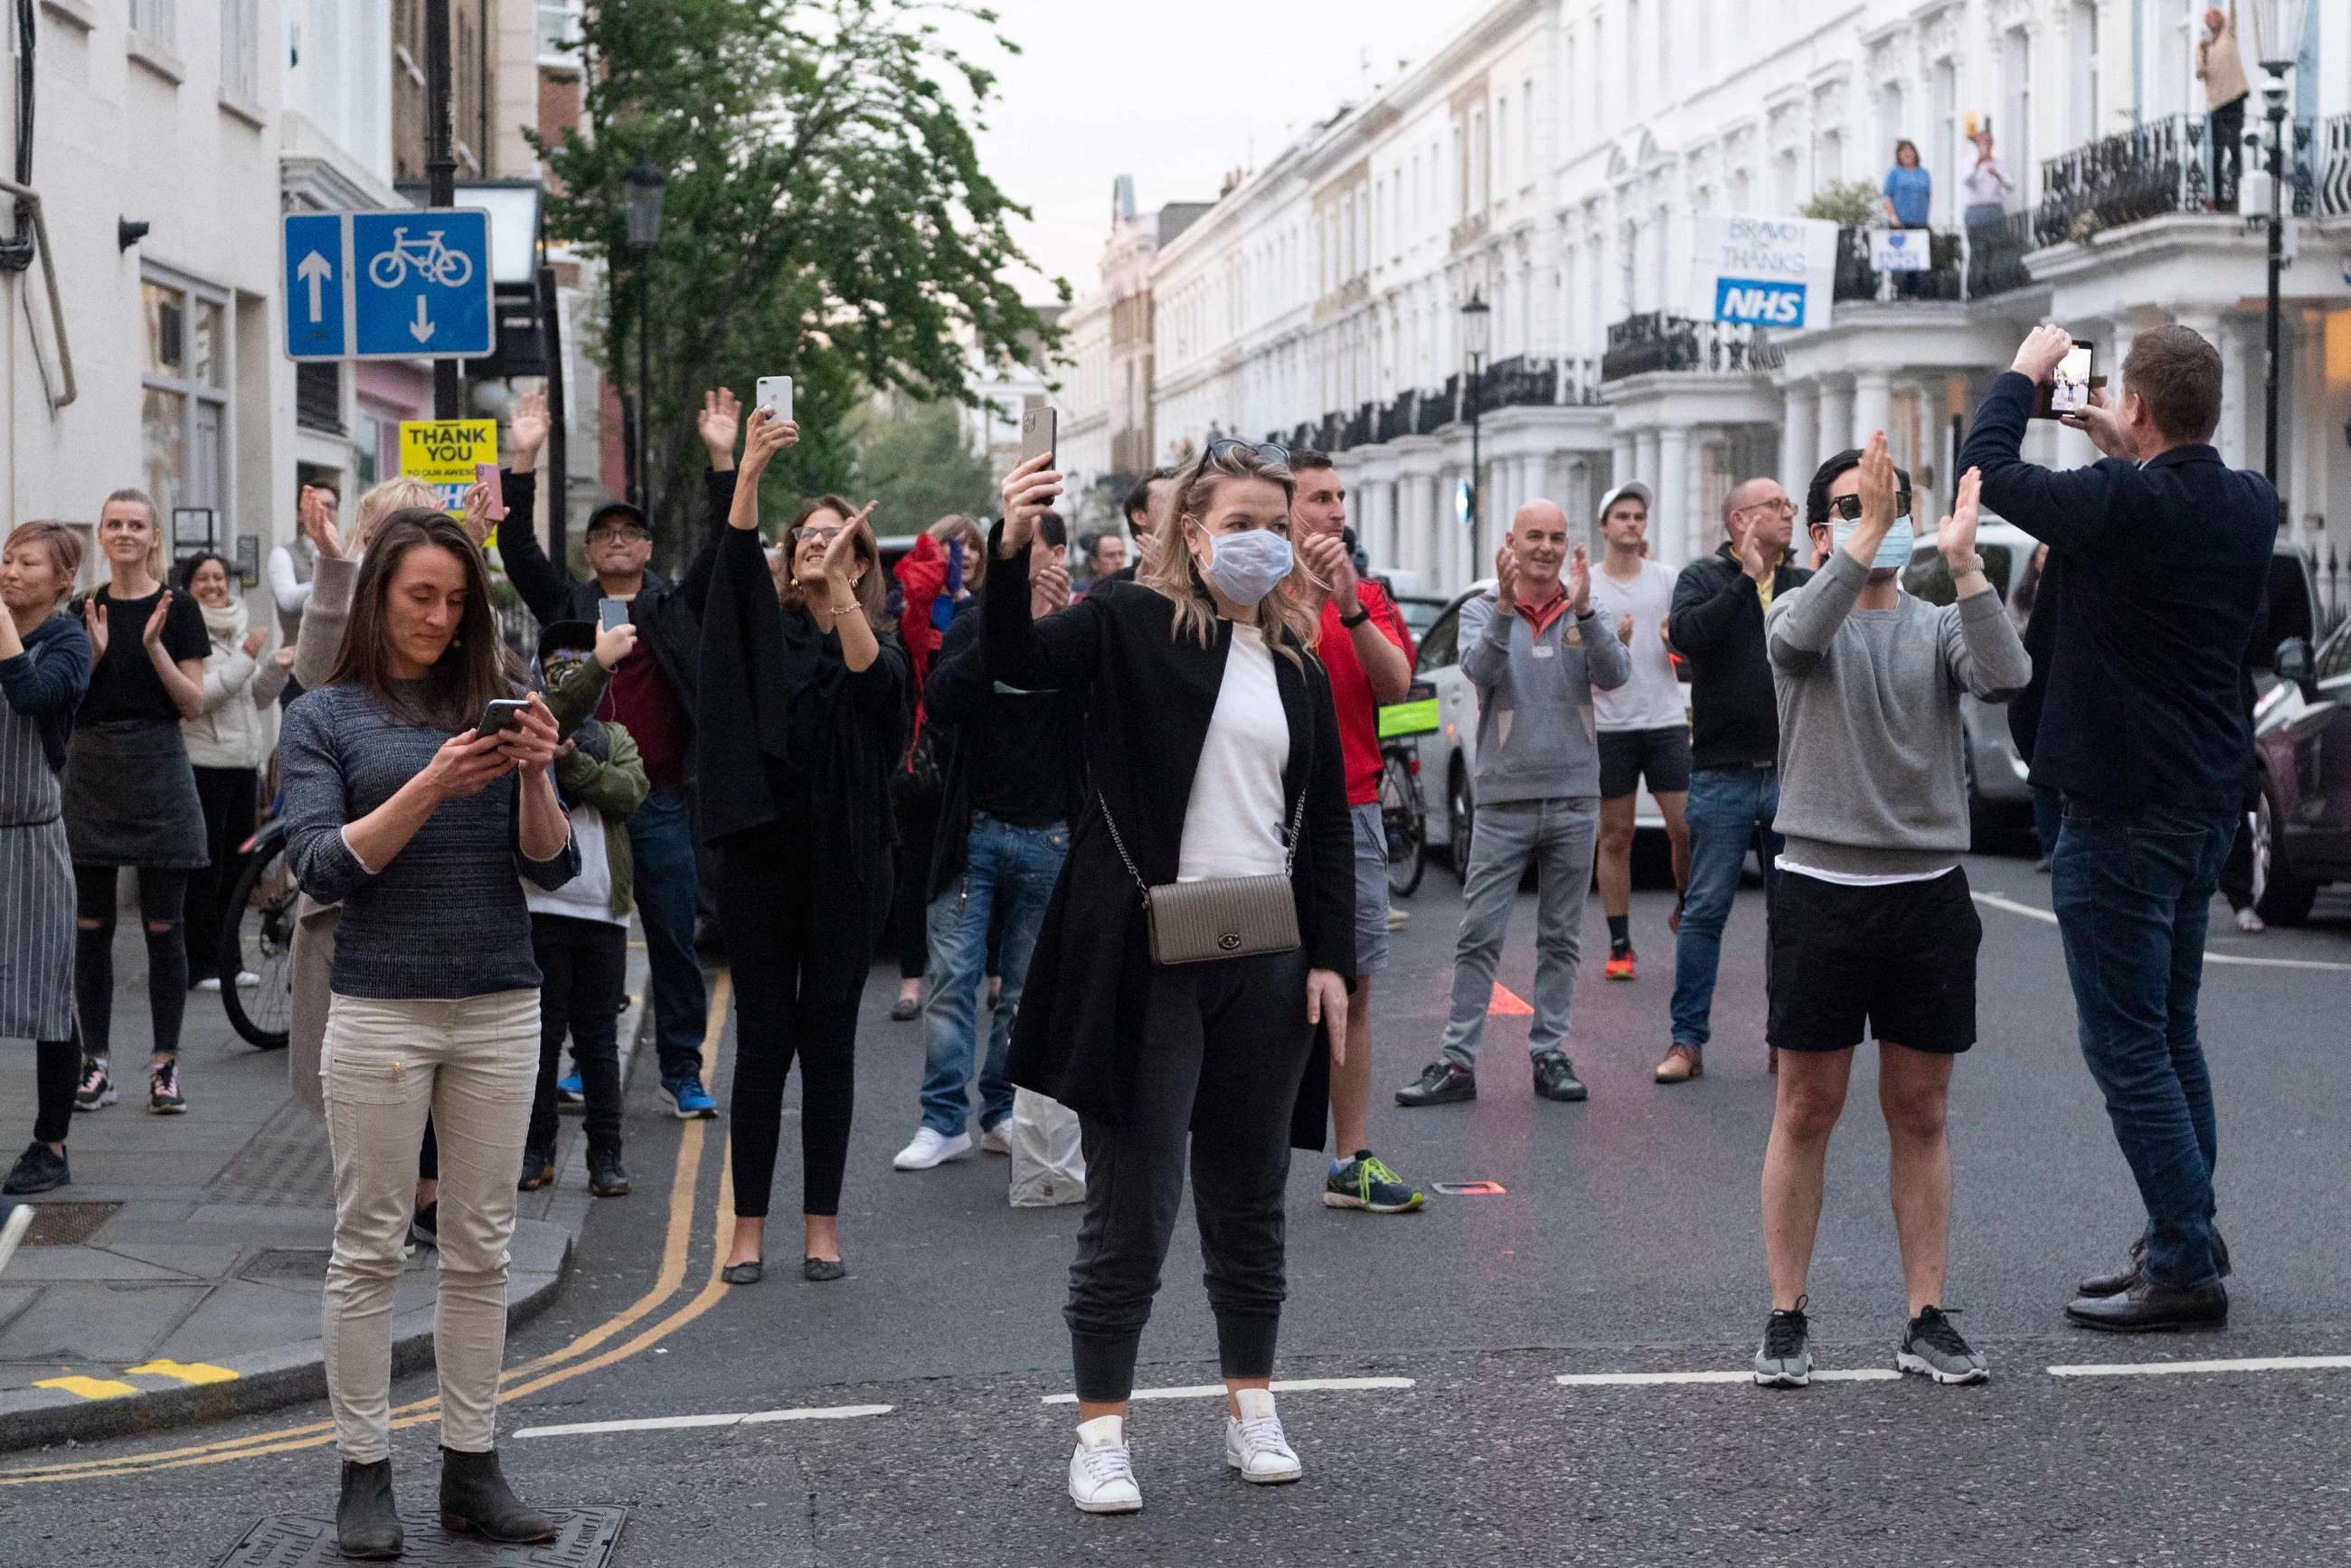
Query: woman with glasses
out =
(803, 709)
(1213, 752)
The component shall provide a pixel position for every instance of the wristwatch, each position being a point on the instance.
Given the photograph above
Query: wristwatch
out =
(1358, 618)
(1973, 563)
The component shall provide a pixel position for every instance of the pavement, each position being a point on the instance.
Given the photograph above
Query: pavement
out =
(177, 1278)
(913, 1412)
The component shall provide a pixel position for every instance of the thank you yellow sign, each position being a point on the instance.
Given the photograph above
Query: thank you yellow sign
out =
(443, 451)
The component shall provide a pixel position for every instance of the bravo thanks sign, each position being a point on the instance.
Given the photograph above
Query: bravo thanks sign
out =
(1750, 271)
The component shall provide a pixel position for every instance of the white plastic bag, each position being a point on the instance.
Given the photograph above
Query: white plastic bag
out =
(1048, 1162)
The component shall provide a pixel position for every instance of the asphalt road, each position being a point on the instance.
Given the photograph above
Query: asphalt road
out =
(1625, 1243)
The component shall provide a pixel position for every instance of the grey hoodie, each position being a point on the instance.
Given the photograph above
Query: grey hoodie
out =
(1535, 727)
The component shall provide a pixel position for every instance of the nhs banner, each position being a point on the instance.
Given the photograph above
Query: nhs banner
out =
(1751, 271)
(1899, 250)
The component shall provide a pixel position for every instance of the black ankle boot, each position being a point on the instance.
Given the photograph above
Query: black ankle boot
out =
(475, 1497)
(366, 1526)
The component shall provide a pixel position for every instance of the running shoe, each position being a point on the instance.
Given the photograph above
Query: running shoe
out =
(1785, 1361)
(606, 1175)
(569, 1094)
(996, 1139)
(1441, 1082)
(1367, 1183)
(1619, 965)
(694, 1102)
(1555, 1077)
(97, 1086)
(1102, 1470)
(164, 1096)
(1254, 1443)
(1931, 1347)
(39, 1169)
(930, 1147)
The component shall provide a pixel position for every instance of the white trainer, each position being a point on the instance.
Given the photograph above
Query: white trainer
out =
(1254, 1444)
(1101, 1471)
(996, 1140)
(931, 1148)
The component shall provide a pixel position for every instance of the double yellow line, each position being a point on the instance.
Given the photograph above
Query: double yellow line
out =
(556, 1367)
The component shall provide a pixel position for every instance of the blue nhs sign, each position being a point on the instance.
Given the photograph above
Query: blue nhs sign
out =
(1753, 302)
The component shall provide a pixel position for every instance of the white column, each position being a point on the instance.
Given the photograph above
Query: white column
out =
(1835, 420)
(1645, 459)
(1670, 530)
(1873, 404)
(1621, 469)
(1799, 434)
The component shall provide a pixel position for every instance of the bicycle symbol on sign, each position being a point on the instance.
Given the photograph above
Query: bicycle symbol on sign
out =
(432, 259)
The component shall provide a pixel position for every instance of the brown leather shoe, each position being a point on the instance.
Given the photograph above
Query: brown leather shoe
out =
(1682, 1063)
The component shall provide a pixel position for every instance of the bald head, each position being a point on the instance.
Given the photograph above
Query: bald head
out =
(1539, 543)
(1544, 514)
(1758, 503)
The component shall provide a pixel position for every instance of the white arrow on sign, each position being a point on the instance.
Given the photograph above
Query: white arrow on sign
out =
(314, 270)
(420, 330)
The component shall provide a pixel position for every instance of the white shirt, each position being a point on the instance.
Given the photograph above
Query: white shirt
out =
(1234, 822)
(1652, 699)
(1859, 878)
(589, 896)
(1987, 184)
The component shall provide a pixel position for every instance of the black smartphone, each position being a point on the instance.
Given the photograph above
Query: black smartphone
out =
(612, 612)
(500, 714)
(2069, 391)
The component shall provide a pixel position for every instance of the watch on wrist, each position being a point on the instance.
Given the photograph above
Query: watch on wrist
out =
(1960, 568)
(1361, 615)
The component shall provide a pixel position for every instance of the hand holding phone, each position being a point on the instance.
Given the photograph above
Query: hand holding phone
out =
(612, 612)
(1038, 427)
(487, 474)
(499, 715)
(774, 394)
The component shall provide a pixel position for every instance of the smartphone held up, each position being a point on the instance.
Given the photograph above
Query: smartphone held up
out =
(2068, 391)
(1040, 426)
(774, 394)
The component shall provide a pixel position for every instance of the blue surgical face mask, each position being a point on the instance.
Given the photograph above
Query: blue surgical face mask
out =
(1892, 555)
(1247, 565)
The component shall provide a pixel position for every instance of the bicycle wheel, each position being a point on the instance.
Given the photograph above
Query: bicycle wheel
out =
(1406, 822)
(257, 937)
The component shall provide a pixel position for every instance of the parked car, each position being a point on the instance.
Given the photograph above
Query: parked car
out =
(2302, 740)
(1996, 774)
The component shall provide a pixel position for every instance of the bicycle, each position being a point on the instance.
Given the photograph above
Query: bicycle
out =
(449, 268)
(1404, 815)
(257, 936)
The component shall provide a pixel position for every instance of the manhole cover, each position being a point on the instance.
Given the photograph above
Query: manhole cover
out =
(302, 1265)
(586, 1539)
(67, 1224)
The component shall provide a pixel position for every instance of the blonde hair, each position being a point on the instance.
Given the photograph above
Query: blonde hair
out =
(396, 495)
(131, 494)
(1170, 570)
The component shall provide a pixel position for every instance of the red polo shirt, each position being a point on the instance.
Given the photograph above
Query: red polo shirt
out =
(1351, 689)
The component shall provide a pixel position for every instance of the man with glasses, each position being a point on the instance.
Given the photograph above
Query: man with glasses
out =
(652, 696)
(1717, 625)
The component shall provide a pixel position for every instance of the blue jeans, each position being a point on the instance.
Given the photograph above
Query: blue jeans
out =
(2133, 891)
(1016, 864)
(1728, 807)
(669, 893)
(1558, 836)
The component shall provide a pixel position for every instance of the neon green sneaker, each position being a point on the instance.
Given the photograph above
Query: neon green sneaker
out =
(1366, 1183)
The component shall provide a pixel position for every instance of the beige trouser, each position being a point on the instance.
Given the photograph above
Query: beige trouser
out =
(473, 1063)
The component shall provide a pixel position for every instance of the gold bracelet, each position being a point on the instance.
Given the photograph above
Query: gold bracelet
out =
(840, 610)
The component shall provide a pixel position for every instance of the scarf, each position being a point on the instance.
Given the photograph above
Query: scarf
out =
(227, 625)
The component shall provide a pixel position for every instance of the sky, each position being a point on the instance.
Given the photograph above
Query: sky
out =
(1173, 95)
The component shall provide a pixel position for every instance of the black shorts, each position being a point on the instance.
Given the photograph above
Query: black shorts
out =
(1663, 756)
(1898, 962)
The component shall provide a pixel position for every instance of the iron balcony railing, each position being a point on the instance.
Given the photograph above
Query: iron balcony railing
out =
(2332, 195)
(1996, 254)
(2151, 169)
(1361, 427)
(1434, 413)
(1653, 342)
(1942, 279)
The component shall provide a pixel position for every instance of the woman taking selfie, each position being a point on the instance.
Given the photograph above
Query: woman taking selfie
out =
(228, 745)
(803, 708)
(130, 796)
(1220, 826)
(402, 806)
(44, 668)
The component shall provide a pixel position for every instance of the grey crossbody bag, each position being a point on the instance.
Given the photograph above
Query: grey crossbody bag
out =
(1220, 917)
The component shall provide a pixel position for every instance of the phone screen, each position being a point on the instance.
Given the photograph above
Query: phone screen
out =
(2071, 393)
(612, 612)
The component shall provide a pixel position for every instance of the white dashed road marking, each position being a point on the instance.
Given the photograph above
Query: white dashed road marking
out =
(724, 1418)
(1280, 1385)
(1653, 1379)
(1994, 901)
(2161, 1368)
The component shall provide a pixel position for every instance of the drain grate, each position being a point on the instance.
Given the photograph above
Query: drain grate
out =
(586, 1539)
(305, 1266)
(67, 1224)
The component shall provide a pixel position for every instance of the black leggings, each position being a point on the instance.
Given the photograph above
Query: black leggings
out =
(584, 970)
(918, 835)
(57, 1073)
(800, 954)
(162, 899)
(228, 801)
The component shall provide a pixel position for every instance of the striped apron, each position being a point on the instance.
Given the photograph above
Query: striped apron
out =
(37, 890)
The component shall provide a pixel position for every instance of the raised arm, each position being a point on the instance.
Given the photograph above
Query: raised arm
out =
(1061, 652)
(1980, 644)
(1607, 663)
(2068, 508)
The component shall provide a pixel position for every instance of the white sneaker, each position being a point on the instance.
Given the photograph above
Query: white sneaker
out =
(2248, 921)
(1101, 1471)
(1254, 1444)
(209, 983)
(246, 979)
(993, 1141)
(931, 1148)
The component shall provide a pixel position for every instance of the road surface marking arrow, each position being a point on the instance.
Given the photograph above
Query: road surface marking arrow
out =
(314, 270)
(420, 330)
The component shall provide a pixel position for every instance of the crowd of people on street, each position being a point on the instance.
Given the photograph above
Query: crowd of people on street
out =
(1136, 820)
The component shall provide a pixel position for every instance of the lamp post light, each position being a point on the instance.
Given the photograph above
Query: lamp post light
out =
(646, 189)
(2277, 41)
(1476, 332)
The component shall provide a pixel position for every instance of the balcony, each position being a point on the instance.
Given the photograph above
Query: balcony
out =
(2142, 172)
(1858, 279)
(1439, 411)
(2332, 195)
(1653, 342)
(1996, 256)
(1361, 429)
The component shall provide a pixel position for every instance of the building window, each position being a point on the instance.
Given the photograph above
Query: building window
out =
(184, 404)
(240, 58)
(558, 34)
(157, 22)
(319, 395)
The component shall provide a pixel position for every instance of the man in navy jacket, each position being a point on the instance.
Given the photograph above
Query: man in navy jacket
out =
(2162, 551)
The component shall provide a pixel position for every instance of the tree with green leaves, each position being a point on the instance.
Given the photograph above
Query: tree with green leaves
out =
(914, 462)
(826, 216)
(1856, 203)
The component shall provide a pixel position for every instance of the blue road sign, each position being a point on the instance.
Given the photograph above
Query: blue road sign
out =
(407, 284)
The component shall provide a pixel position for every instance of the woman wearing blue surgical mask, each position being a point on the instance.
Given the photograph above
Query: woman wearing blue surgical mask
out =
(1214, 753)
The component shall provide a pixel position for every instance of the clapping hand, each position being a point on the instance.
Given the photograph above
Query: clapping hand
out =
(840, 554)
(318, 523)
(1579, 581)
(1955, 535)
(151, 635)
(1029, 493)
(1049, 587)
(1328, 561)
(1506, 578)
(1625, 630)
(254, 640)
(1753, 559)
(93, 619)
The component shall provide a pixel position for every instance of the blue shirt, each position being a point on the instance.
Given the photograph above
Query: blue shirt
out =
(1910, 190)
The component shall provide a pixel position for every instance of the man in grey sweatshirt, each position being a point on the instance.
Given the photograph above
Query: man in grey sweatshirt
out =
(1534, 648)
(1873, 930)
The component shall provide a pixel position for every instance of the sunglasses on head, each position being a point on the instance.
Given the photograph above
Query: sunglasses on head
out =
(1849, 507)
(1272, 451)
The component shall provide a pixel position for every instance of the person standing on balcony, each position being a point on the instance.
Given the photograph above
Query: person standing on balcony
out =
(1909, 190)
(2222, 70)
(1987, 186)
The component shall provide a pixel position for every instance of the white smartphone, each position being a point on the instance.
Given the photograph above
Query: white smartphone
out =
(775, 395)
(1038, 426)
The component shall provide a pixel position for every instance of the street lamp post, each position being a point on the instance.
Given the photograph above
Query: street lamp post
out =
(2277, 38)
(1477, 330)
(646, 188)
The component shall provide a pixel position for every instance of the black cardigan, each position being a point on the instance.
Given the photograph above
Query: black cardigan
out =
(759, 661)
(1717, 623)
(1150, 696)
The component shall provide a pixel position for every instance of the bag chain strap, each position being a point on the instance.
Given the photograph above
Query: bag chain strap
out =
(1290, 850)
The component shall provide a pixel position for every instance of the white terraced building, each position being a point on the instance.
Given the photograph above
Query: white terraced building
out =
(1552, 157)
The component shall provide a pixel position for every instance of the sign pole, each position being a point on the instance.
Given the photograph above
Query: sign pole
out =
(441, 175)
(556, 509)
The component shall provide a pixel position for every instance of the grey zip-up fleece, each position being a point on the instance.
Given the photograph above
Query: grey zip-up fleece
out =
(1872, 771)
(1535, 727)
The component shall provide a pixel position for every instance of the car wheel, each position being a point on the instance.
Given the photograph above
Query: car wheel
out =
(2280, 898)
(1460, 819)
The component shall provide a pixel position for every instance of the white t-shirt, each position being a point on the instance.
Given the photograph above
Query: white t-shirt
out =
(589, 896)
(1234, 822)
(1652, 699)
